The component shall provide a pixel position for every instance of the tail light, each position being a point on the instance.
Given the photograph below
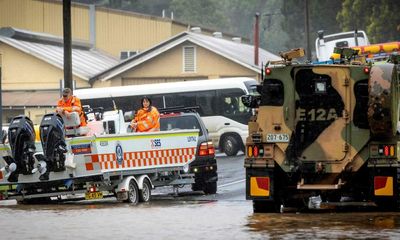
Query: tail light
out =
(92, 189)
(206, 148)
(255, 151)
(382, 150)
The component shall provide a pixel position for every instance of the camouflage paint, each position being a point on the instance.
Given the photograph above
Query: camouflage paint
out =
(340, 145)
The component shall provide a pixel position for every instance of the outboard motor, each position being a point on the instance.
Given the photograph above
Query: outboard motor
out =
(52, 135)
(21, 136)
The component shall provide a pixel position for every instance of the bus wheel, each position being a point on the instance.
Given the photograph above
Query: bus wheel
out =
(133, 193)
(145, 194)
(230, 145)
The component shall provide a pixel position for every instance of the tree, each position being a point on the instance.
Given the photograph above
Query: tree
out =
(379, 18)
(322, 16)
(203, 13)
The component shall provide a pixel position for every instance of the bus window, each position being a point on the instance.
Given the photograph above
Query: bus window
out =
(230, 105)
(180, 99)
(206, 101)
(203, 99)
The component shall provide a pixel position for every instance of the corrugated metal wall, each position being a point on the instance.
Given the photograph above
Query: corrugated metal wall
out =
(43, 16)
(116, 31)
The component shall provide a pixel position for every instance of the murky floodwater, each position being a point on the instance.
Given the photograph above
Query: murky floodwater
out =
(165, 219)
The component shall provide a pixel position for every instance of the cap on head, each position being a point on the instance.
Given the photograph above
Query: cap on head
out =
(66, 92)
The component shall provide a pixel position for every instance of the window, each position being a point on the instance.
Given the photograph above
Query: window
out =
(272, 93)
(179, 122)
(189, 59)
(360, 112)
(127, 54)
(230, 105)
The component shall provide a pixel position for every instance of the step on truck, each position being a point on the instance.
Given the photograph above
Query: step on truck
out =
(324, 136)
(102, 158)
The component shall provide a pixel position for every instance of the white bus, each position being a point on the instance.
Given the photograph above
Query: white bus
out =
(219, 102)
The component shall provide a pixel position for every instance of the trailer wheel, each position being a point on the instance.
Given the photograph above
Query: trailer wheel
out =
(145, 193)
(133, 193)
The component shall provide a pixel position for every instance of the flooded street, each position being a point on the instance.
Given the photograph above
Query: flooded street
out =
(225, 215)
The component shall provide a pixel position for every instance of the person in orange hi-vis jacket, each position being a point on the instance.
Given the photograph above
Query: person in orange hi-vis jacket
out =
(147, 119)
(69, 103)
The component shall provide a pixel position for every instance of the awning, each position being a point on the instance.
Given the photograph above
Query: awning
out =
(21, 99)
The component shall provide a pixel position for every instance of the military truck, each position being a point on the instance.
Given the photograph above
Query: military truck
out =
(323, 135)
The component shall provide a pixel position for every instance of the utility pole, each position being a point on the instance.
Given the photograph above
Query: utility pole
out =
(256, 38)
(67, 44)
(307, 34)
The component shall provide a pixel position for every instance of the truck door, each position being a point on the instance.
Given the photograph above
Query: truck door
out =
(322, 106)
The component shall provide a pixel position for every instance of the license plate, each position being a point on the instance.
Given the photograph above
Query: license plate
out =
(93, 195)
(277, 137)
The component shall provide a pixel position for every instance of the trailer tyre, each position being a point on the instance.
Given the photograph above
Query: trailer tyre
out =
(145, 193)
(133, 193)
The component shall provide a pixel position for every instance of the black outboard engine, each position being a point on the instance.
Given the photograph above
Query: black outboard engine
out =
(52, 135)
(21, 137)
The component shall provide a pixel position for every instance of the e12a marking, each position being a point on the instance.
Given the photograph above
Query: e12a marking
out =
(318, 114)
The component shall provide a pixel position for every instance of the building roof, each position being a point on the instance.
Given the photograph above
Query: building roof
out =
(86, 61)
(238, 52)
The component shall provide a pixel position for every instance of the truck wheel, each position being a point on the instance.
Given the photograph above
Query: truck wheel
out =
(210, 188)
(230, 145)
(133, 193)
(145, 193)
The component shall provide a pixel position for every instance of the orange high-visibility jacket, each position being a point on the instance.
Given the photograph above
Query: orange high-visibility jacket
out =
(147, 121)
(73, 102)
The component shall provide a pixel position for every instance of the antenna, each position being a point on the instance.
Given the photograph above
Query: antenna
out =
(114, 104)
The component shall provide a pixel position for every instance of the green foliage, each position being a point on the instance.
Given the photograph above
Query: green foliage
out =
(379, 18)
(322, 16)
(205, 13)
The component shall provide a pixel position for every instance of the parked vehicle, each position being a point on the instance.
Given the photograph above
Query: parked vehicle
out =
(204, 166)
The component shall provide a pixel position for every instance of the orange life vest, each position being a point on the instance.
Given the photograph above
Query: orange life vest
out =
(147, 121)
(73, 102)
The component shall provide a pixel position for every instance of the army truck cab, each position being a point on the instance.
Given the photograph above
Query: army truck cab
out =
(323, 134)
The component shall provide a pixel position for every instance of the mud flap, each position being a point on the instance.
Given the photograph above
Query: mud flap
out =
(259, 184)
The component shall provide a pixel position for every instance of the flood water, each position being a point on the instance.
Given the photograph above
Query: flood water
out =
(172, 219)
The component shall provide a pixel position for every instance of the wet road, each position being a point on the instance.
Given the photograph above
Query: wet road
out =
(225, 215)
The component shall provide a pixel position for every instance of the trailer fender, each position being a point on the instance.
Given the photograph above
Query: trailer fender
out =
(121, 192)
(124, 185)
(141, 179)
